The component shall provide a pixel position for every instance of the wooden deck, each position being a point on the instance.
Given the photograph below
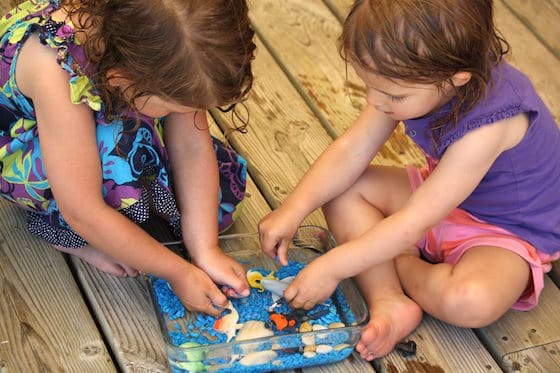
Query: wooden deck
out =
(57, 314)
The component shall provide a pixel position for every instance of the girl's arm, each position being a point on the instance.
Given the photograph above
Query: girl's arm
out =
(331, 174)
(196, 184)
(71, 158)
(460, 170)
(195, 179)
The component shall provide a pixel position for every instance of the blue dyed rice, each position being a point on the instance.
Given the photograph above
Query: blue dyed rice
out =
(255, 307)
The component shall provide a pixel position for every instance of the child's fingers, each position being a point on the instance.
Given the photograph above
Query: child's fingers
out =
(290, 293)
(269, 245)
(218, 301)
(240, 286)
(282, 252)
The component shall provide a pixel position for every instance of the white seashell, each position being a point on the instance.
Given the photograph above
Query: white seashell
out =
(341, 346)
(309, 348)
(309, 354)
(320, 336)
(258, 357)
(319, 327)
(323, 349)
(308, 339)
(253, 329)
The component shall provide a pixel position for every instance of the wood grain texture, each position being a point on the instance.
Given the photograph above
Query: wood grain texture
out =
(555, 273)
(302, 37)
(44, 323)
(284, 137)
(541, 17)
(441, 348)
(519, 337)
(531, 57)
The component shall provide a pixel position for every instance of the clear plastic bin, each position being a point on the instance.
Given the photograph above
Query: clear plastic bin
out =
(277, 352)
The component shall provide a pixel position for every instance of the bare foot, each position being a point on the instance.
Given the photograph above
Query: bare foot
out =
(100, 260)
(392, 319)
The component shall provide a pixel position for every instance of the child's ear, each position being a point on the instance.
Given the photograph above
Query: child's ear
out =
(117, 78)
(461, 78)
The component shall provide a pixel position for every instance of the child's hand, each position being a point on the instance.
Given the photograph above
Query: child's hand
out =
(198, 292)
(313, 285)
(276, 231)
(225, 271)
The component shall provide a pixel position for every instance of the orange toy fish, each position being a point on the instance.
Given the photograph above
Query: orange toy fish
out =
(281, 322)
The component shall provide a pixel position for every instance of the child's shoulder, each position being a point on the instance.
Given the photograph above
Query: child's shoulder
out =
(35, 62)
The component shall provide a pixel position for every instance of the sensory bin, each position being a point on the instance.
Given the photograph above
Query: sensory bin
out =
(261, 333)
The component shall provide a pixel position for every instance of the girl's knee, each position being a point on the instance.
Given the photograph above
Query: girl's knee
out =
(472, 304)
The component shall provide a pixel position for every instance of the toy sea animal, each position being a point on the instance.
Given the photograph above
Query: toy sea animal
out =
(280, 321)
(228, 323)
(269, 282)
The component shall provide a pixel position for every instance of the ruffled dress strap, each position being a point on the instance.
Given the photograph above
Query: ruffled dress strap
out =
(70, 56)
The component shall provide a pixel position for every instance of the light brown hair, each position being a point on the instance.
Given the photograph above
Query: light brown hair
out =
(426, 42)
(195, 53)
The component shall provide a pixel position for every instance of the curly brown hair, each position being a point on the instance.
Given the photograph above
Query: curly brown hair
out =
(195, 53)
(426, 42)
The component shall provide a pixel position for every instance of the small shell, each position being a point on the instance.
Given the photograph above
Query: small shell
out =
(341, 346)
(311, 348)
(258, 357)
(308, 339)
(253, 329)
(320, 335)
(305, 327)
(336, 325)
(323, 349)
(309, 354)
(319, 327)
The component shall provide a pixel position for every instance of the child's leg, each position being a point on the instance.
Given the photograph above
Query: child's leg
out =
(379, 192)
(100, 260)
(474, 292)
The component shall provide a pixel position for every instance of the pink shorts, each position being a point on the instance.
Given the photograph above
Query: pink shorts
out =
(451, 238)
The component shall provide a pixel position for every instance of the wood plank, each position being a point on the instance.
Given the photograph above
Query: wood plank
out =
(6, 5)
(555, 273)
(284, 137)
(518, 336)
(304, 37)
(441, 348)
(45, 324)
(531, 57)
(538, 359)
(541, 17)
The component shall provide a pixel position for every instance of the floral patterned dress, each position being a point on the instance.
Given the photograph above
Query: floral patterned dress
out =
(134, 162)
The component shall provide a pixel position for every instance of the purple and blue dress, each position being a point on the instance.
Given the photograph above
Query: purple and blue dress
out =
(134, 161)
